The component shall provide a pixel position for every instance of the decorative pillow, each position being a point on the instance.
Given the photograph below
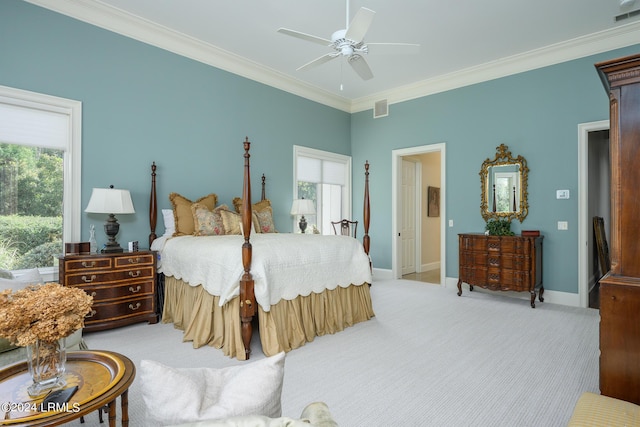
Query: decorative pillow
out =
(231, 222)
(174, 396)
(182, 211)
(265, 220)
(258, 206)
(169, 222)
(208, 222)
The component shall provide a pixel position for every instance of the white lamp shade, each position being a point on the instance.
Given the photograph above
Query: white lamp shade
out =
(110, 201)
(303, 207)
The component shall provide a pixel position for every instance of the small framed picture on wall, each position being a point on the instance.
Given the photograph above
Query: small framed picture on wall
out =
(433, 201)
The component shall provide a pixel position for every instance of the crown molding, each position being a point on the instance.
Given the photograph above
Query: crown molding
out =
(592, 44)
(107, 17)
(115, 20)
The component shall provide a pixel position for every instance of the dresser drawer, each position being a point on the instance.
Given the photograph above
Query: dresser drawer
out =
(133, 260)
(87, 264)
(124, 290)
(119, 310)
(113, 276)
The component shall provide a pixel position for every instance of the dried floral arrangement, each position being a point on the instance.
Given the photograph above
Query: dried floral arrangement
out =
(42, 312)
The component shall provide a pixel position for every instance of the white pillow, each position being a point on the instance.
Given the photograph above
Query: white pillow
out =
(169, 222)
(29, 277)
(249, 421)
(174, 396)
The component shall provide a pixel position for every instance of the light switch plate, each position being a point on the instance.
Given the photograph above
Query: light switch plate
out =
(563, 225)
(562, 194)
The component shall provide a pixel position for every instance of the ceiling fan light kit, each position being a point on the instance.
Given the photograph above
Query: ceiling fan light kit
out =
(349, 43)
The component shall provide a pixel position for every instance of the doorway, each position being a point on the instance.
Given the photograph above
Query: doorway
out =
(594, 199)
(419, 244)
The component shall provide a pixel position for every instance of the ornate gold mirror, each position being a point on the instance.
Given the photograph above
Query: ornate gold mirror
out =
(503, 181)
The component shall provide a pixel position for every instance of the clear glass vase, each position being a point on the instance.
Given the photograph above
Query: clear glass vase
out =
(46, 361)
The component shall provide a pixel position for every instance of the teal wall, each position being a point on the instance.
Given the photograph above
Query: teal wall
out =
(535, 113)
(144, 104)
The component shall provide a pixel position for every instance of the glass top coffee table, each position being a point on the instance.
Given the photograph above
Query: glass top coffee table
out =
(101, 376)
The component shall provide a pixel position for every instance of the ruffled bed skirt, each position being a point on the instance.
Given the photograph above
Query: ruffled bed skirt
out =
(288, 325)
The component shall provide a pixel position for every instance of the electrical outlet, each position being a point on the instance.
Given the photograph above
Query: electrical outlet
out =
(450, 223)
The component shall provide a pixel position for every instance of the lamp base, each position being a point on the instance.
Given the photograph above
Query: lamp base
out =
(111, 228)
(302, 224)
(112, 249)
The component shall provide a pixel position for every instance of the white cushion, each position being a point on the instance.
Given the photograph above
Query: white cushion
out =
(174, 395)
(169, 222)
(29, 277)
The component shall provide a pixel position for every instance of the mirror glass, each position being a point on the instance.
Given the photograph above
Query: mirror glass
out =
(504, 186)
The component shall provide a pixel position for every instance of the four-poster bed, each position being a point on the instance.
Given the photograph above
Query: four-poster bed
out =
(297, 286)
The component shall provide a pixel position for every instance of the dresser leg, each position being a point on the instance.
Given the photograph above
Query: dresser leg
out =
(459, 287)
(533, 299)
(540, 294)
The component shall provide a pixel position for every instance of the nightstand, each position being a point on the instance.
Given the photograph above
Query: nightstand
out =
(123, 286)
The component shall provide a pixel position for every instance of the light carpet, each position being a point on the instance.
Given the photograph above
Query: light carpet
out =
(428, 358)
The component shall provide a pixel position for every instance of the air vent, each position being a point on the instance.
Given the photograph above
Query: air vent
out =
(381, 109)
(627, 15)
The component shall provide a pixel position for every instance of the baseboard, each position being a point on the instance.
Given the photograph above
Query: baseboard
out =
(430, 266)
(382, 274)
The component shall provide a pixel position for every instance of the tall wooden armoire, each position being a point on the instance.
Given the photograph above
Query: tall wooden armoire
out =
(620, 288)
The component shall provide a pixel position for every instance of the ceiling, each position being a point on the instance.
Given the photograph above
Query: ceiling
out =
(462, 42)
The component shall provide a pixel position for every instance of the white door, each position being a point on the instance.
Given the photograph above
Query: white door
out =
(408, 228)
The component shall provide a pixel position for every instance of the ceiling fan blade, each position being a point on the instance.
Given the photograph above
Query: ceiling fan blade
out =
(304, 36)
(318, 61)
(360, 24)
(394, 48)
(360, 66)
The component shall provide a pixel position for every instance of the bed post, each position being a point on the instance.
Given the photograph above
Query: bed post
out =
(153, 206)
(264, 196)
(247, 295)
(366, 242)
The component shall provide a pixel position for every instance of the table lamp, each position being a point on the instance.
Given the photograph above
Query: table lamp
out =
(110, 201)
(302, 207)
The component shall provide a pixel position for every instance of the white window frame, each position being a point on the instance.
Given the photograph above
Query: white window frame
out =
(72, 159)
(300, 151)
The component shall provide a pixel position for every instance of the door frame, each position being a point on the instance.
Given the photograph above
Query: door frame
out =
(584, 224)
(396, 182)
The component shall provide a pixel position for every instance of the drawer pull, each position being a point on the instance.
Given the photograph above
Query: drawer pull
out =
(94, 293)
(86, 264)
(134, 273)
(135, 260)
(85, 280)
(137, 306)
(137, 289)
(93, 313)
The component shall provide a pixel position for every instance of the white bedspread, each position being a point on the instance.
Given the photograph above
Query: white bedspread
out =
(283, 265)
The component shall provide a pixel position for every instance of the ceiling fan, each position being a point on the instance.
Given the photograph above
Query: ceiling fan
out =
(350, 43)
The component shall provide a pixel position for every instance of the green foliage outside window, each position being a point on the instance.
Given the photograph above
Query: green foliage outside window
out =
(31, 194)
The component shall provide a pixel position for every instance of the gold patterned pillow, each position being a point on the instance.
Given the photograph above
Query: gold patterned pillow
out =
(182, 213)
(265, 220)
(208, 222)
(231, 222)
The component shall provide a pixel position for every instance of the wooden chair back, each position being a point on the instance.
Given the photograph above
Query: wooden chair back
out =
(347, 228)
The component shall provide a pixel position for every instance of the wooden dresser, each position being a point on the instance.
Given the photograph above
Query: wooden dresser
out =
(123, 286)
(620, 288)
(501, 263)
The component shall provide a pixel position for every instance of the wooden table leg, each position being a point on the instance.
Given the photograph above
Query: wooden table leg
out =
(112, 413)
(124, 403)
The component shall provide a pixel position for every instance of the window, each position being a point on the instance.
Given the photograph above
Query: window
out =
(39, 178)
(325, 178)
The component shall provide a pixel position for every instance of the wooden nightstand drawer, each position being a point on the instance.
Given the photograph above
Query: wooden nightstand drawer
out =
(119, 310)
(86, 264)
(113, 276)
(134, 260)
(126, 290)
